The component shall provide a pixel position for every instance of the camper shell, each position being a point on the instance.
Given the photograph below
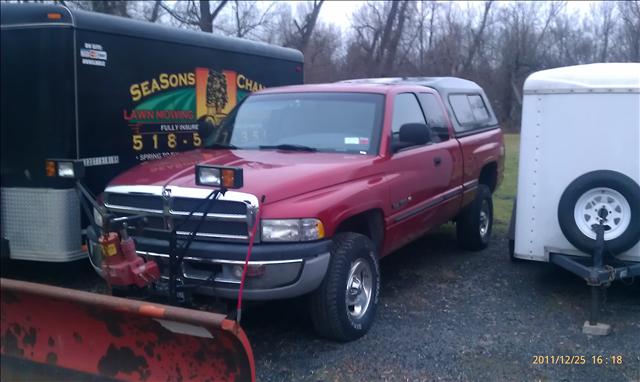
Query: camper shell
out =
(112, 92)
(449, 88)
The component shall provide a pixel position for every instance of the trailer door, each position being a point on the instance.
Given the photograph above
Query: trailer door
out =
(37, 103)
(40, 215)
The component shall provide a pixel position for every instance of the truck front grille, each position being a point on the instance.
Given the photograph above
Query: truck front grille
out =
(215, 206)
(225, 220)
(141, 202)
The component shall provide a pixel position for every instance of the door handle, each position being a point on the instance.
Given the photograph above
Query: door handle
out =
(437, 161)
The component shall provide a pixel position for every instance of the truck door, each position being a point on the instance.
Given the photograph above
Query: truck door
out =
(420, 177)
(442, 133)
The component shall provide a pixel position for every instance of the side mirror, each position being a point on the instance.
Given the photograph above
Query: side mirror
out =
(411, 134)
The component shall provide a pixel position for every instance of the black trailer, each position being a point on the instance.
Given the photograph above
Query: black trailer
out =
(112, 92)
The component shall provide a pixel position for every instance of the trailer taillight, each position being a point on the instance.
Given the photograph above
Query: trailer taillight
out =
(54, 16)
(50, 167)
(64, 168)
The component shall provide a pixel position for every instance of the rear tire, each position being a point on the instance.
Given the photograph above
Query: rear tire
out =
(343, 307)
(475, 223)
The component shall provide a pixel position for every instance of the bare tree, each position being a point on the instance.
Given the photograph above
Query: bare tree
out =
(155, 11)
(477, 37)
(195, 13)
(110, 7)
(605, 10)
(379, 28)
(247, 16)
(298, 30)
(630, 32)
(426, 15)
(321, 56)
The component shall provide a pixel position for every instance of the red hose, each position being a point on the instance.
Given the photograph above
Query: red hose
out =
(246, 264)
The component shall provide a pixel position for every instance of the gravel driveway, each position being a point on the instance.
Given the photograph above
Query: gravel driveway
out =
(443, 315)
(451, 315)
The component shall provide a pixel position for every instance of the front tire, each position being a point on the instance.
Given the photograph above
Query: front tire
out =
(343, 307)
(475, 223)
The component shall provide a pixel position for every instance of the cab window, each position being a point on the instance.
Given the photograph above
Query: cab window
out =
(435, 115)
(406, 109)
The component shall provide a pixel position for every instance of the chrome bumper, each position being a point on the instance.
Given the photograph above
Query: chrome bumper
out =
(280, 278)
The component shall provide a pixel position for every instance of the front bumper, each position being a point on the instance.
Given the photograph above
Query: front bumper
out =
(284, 270)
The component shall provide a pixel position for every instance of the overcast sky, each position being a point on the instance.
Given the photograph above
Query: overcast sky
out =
(339, 11)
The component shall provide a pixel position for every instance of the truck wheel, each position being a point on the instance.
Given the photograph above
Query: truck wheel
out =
(344, 306)
(596, 195)
(474, 225)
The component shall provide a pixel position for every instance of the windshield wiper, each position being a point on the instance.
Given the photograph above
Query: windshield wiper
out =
(289, 147)
(222, 146)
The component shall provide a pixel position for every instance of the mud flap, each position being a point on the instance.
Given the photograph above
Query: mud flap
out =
(48, 331)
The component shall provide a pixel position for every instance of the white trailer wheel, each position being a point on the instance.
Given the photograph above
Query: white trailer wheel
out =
(588, 209)
(601, 195)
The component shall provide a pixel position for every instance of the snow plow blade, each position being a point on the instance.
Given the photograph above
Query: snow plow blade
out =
(52, 333)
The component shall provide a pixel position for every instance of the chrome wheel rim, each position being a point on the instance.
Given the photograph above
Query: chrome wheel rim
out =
(359, 288)
(484, 218)
(604, 205)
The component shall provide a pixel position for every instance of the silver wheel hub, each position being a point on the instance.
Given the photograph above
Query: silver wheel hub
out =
(484, 218)
(602, 205)
(359, 288)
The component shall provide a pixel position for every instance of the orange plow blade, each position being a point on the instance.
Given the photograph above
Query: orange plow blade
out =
(57, 333)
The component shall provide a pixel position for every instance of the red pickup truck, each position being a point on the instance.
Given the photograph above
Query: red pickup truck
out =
(340, 175)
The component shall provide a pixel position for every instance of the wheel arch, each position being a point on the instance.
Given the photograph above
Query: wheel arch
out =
(489, 175)
(369, 223)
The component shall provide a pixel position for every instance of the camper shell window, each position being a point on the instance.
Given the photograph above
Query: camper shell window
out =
(470, 111)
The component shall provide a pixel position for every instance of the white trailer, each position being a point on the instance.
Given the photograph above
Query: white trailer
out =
(579, 171)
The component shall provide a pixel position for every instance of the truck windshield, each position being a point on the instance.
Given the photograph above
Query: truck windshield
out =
(324, 122)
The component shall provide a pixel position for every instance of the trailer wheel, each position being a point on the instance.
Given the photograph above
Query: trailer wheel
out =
(475, 223)
(596, 195)
(343, 307)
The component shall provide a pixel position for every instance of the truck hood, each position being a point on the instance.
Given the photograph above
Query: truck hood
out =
(275, 174)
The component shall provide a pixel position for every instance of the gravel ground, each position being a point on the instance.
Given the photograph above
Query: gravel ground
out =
(443, 315)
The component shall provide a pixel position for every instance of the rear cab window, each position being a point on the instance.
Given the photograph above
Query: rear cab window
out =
(470, 111)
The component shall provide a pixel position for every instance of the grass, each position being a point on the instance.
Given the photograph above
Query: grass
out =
(506, 193)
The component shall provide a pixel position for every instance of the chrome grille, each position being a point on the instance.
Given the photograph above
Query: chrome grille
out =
(212, 226)
(132, 201)
(226, 219)
(215, 206)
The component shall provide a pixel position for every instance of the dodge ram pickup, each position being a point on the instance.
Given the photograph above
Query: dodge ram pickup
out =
(334, 177)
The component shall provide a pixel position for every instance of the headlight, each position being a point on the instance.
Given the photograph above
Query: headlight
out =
(219, 176)
(292, 230)
(209, 176)
(97, 217)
